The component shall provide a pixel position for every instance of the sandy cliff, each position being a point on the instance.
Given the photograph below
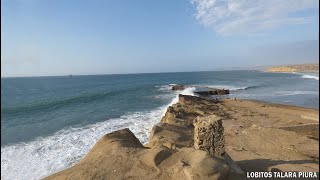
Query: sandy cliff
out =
(200, 138)
(295, 68)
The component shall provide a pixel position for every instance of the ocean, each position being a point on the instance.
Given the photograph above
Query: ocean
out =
(50, 123)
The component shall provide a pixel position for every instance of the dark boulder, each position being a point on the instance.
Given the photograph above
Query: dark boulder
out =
(178, 87)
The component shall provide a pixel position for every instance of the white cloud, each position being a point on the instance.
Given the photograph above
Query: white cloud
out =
(228, 17)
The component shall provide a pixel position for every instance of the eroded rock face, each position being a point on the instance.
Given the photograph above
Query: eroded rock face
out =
(120, 155)
(209, 135)
(189, 143)
(176, 128)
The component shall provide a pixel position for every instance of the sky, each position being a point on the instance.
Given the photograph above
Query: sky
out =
(79, 37)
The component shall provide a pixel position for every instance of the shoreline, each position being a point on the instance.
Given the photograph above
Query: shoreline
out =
(299, 68)
(73, 144)
(242, 120)
(291, 72)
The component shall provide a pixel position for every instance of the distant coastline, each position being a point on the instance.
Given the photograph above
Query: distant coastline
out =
(295, 68)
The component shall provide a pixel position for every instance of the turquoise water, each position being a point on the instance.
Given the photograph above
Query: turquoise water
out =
(49, 123)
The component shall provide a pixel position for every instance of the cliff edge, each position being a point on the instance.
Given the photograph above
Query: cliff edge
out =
(201, 138)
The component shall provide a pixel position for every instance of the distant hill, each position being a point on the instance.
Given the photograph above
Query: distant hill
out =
(295, 68)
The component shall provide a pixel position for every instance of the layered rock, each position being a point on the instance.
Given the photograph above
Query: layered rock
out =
(209, 135)
(182, 125)
(256, 136)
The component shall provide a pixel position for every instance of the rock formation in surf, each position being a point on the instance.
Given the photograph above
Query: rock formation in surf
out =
(178, 87)
(204, 91)
(212, 91)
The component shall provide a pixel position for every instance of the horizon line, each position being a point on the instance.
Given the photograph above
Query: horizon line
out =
(119, 73)
(134, 73)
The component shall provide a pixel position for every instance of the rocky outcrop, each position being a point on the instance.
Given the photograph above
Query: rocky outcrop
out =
(177, 87)
(209, 135)
(176, 128)
(170, 153)
(213, 92)
(205, 91)
(196, 123)
(253, 130)
(120, 155)
(200, 138)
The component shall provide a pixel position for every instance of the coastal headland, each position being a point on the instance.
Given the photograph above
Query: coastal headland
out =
(208, 138)
(295, 68)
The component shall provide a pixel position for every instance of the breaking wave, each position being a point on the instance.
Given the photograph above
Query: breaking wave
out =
(234, 88)
(44, 156)
(47, 155)
(310, 77)
(289, 93)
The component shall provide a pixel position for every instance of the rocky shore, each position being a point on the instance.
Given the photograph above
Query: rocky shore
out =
(201, 138)
(203, 91)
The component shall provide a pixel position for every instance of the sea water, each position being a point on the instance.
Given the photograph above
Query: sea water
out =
(49, 123)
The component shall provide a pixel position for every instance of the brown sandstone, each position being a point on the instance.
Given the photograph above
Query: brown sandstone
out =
(241, 136)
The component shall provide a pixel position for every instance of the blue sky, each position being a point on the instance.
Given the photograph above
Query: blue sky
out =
(59, 37)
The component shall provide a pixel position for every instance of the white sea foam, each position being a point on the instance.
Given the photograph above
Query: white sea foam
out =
(164, 96)
(45, 156)
(310, 77)
(164, 88)
(289, 93)
(236, 88)
(167, 88)
(232, 88)
(187, 91)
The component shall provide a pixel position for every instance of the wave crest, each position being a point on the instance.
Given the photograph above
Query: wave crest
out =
(58, 103)
(310, 77)
(68, 146)
(233, 88)
(289, 93)
(44, 156)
